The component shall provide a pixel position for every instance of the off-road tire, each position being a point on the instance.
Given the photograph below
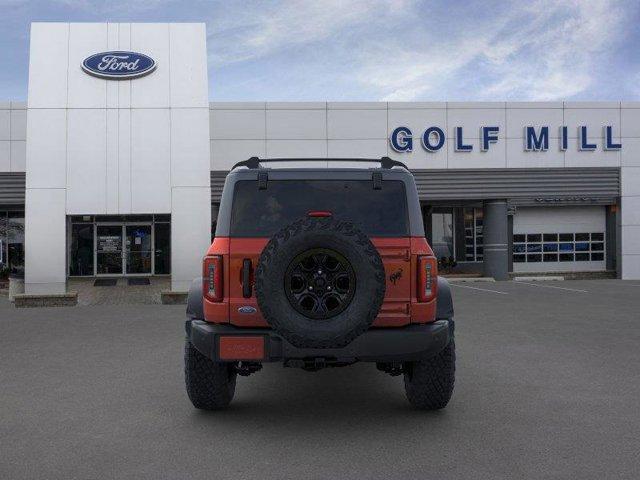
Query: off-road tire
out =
(347, 240)
(210, 385)
(428, 383)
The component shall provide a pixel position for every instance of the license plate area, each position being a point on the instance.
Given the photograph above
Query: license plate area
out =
(241, 347)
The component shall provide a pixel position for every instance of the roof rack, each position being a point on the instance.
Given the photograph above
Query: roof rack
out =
(254, 162)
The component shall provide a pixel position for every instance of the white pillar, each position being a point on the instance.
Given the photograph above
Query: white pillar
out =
(630, 222)
(45, 241)
(190, 234)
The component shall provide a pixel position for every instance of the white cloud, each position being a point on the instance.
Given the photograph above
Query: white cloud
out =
(247, 33)
(546, 51)
(406, 50)
(101, 7)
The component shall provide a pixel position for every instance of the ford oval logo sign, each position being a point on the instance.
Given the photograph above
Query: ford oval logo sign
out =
(247, 309)
(118, 65)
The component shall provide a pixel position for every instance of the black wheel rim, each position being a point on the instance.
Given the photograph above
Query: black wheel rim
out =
(320, 283)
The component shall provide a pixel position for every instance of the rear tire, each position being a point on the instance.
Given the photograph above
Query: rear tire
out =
(428, 383)
(210, 385)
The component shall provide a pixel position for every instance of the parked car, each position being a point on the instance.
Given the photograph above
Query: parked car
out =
(320, 267)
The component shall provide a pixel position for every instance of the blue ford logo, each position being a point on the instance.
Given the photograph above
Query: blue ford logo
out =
(118, 65)
(247, 309)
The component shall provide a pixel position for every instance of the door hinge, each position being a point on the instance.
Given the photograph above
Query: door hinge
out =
(246, 278)
(262, 180)
(377, 180)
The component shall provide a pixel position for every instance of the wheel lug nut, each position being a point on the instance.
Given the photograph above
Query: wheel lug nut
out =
(310, 288)
(329, 288)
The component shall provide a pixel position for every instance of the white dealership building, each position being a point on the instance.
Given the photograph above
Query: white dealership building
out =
(114, 165)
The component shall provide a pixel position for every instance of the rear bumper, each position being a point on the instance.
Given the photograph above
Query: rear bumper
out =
(409, 343)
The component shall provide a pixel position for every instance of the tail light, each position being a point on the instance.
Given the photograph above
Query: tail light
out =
(212, 278)
(319, 213)
(427, 278)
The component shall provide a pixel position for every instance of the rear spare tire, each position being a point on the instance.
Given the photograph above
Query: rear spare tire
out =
(320, 282)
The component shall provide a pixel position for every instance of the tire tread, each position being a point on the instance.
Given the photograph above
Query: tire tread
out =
(210, 385)
(429, 383)
(279, 240)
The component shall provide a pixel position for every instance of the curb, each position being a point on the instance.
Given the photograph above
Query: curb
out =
(471, 280)
(538, 278)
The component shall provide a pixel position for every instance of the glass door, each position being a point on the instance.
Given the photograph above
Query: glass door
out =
(139, 249)
(442, 234)
(109, 250)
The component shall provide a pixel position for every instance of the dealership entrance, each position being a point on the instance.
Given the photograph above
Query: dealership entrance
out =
(123, 249)
(108, 246)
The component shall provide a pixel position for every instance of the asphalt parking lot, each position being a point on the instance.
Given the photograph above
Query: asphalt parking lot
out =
(548, 386)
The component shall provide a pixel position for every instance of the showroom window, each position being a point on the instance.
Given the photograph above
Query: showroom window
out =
(11, 242)
(116, 245)
(442, 233)
(558, 247)
(473, 219)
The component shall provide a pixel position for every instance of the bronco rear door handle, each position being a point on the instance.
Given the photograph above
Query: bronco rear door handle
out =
(246, 278)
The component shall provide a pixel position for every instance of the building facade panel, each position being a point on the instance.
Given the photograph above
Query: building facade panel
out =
(419, 158)
(631, 239)
(296, 124)
(630, 213)
(18, 156)
(574, 157)
(518, 118)
(494, 157)
(517, 157)
(630, 122)
(82, 90)
(296, 148)
(13, 128)
(356, 124)
(86, 180)
(124, 161)
(357, 148)
(47, 148)
(190, 145)
(190, 234)
(124, 43)
(152, 91)
(45, 241)
(18, 124)
(188, 56)
(112, 161)
(226, 153)
(151, 160)
(630, 154)
(5, 156)
(5, 123)
(229, 124)
(593, 116)
(471, 119)
(48, 62)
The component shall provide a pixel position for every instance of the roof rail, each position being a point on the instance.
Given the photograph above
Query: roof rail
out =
(254, 162)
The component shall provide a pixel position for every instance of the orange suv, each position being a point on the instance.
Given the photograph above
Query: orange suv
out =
(319, 267)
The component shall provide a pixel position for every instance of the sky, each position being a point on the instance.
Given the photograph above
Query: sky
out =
(377, 50)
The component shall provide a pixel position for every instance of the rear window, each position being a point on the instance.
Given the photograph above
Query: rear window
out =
(378, 213)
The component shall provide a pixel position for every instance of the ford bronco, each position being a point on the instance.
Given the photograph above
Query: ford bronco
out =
(319, 267)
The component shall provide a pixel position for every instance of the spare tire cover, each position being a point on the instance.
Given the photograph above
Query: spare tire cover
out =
(320, 282)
